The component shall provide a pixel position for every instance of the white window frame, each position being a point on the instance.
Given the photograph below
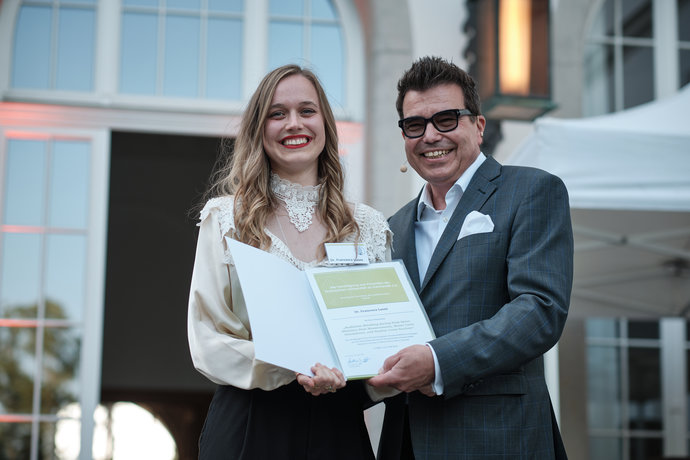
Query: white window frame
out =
(92, 323)
(673, 347)
(254, 59)
(96, 124)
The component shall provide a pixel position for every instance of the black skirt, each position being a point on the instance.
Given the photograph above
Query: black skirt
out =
(286, 423)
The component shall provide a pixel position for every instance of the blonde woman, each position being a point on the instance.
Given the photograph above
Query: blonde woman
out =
(281, 190)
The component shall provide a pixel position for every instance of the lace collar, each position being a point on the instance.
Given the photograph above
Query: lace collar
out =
(299, 200)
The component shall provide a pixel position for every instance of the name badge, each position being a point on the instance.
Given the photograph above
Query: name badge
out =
(346, 254)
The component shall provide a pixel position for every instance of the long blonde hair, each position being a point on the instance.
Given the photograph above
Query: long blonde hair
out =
(246, 170)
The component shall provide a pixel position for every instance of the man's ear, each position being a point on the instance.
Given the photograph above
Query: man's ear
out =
(481, 125)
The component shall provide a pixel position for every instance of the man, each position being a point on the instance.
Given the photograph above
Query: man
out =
(489, 249)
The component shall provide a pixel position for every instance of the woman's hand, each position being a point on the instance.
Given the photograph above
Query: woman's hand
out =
(325, 380)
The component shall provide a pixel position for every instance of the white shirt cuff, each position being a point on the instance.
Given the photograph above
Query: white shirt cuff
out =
(437, 385)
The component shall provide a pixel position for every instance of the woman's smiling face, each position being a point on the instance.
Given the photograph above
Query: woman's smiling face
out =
(294, 132)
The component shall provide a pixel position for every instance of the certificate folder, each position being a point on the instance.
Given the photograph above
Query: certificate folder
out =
(349, 317)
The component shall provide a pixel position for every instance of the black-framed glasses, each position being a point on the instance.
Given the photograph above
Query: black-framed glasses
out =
(444, 121)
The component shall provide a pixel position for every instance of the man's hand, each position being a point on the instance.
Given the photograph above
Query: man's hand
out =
(410, 369)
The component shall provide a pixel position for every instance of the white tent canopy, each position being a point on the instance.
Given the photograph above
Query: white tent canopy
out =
(628, 176)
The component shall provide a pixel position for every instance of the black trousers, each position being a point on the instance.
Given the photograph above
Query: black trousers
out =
(285, 424)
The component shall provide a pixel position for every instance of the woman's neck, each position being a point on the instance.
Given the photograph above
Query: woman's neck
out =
(305, 177)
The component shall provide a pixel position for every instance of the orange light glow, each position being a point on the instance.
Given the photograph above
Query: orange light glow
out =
(21, 322)
(41, 230)
(5, 418)
(514, 32)
(22, 229)
(349, 134)
(10, 322)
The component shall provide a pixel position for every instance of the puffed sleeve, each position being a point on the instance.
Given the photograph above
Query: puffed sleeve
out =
(374, 233)
(218, 327)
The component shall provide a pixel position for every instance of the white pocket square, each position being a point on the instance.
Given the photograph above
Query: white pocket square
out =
(476, 222)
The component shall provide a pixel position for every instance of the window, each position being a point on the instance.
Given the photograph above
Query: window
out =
(180, 54)
(54, 45)
(619, 57)
(636, 51)
(43, 258)
(308, 32)
(626, 406)
(182, 48)
(624, 390)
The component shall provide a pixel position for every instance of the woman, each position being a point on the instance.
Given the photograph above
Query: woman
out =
(281, 191)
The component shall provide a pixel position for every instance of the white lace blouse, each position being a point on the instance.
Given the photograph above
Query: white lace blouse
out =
(220, 337)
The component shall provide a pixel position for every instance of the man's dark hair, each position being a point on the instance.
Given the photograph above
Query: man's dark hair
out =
(431, 71)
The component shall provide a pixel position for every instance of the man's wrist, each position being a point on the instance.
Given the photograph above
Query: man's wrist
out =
(437, 384)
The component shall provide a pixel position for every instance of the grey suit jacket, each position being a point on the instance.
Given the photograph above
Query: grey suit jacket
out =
(497, 301)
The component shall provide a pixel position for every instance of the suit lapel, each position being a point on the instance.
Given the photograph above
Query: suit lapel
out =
(480, 188)
(405, 247)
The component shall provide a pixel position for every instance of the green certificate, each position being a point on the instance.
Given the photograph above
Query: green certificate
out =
(370, 312)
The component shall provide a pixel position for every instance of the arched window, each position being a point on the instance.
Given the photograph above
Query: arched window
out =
(178, 54)
(636, 51)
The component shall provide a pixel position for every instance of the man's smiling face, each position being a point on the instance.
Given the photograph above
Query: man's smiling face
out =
(441, 158)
